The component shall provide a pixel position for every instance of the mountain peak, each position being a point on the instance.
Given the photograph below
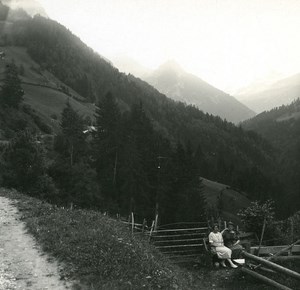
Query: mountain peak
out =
(172, 80)
(171, 65)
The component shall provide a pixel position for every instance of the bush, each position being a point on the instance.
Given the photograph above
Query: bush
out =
(253, 217)
(24, 166)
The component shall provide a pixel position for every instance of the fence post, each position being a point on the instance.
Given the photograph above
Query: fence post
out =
(129, 221)
(151, 230)
(132, 222)
(144, 225)
(156, 222)
(262, 236)
(292, 229)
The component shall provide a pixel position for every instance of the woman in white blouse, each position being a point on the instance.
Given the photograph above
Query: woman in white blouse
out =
(216, 242)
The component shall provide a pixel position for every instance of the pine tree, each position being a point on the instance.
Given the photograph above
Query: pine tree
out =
(71, 170)
(134, 183)
(12, 93)
(185, 201)
(146, 143)
(72, 137)
(106, 146)
(141, 130)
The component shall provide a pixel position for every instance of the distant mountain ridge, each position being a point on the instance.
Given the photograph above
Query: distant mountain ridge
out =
(179, 85)
(281, 92)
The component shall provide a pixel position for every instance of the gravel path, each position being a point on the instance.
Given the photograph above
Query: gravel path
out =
(22, 264)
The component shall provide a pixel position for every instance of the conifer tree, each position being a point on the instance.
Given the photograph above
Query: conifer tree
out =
(134, 182)
(72, 137)
(186, 200)
(141, 130)
(12, 93)
(106, 145)
(71, 170)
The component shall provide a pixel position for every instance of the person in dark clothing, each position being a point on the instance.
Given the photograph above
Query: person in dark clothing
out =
(232, 241)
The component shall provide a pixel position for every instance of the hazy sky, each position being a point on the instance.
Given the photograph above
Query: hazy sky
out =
(228, 43)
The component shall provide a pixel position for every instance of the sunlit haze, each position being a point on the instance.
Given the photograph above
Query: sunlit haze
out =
(228, 43)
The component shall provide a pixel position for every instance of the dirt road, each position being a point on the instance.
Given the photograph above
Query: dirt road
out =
(22, 264)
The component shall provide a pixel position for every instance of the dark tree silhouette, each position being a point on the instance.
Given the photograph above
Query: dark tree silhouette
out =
(12, 93)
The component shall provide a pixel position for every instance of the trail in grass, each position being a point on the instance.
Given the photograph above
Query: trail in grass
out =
(22, 264)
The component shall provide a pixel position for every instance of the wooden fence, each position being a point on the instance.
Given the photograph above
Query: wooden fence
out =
(180, 242)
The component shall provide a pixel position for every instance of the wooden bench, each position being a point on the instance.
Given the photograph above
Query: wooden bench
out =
(211, 251)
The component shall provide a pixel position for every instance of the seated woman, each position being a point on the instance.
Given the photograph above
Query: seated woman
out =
(215, 239)
(231, 240)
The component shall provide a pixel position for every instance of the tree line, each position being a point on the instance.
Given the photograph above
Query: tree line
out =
(121, 165)
(124, 166)
(229, 154)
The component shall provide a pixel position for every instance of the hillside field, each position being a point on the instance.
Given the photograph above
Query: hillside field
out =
(43, 92)
(232, 200)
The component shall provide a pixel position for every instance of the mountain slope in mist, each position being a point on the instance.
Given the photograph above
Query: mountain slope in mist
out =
(32, 7)
(130, 66)
(278, 93)
(179, 85)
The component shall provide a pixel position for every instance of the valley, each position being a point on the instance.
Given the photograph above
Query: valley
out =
(86, 148)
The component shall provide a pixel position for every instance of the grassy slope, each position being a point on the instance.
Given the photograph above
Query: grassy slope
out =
(49, 102)
(46, 101)
(97, 251)
(232, 200)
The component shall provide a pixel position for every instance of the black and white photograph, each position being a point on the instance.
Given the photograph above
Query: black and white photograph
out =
(149, 144)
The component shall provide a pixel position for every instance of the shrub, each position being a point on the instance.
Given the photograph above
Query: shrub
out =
(253, 217)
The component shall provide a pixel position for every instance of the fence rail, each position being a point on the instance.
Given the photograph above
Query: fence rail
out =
(181, 242)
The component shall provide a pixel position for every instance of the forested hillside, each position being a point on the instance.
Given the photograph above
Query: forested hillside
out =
(281, 127)
(146, 153)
